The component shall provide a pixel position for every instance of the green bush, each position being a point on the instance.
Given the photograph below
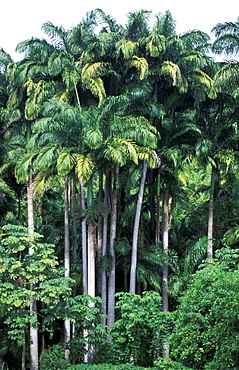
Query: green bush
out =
(53, 359)
(109, 367)
(164, 364)
(207, 320)
(168, 364)
(139, 332)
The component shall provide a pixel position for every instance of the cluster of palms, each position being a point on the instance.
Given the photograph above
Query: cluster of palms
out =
(112, 116)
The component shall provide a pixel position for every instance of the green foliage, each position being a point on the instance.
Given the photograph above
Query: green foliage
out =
(109, 367)
(206, 322)
(138, 333)
(168, 364)
(54, 359)
(19, 269)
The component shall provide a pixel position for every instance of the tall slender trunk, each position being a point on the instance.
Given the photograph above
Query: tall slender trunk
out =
(84, 261)
(132, 287)
(104, 250)
(84, 244)
(157, 226)
(99, 244)
(23, 352)
(91, 243)
(74, 222)
(111, 280)
(34, 362)
(165, 220)
(91, 259)
(210, 216)
(67, 324)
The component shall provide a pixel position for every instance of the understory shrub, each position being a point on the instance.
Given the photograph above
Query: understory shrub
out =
(53, 359)
(168, 364)
(142, 326)
(109, 367)
(206, 321)
(164, 364)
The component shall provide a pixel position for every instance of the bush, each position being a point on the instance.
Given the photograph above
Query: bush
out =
(53, 359)
(168, 364)
(108, 367)
(207, 319)
(139, 332)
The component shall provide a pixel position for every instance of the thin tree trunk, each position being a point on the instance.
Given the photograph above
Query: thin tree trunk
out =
(111, 280)
(34, 361)
(91, 259)
(84, 260)
(210, 216)
(157, 226)
(23, 352)
(84, 244)
(91, 243)
(67, 324)
(165, 267)
(99, 245)
(104, 250)
(74, 223)
(136, 230)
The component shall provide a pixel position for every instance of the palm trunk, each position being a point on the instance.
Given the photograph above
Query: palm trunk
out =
(111, 281)
(165, 267)
(91, 244)
(67, 324)
(34, 361)
(136, 230)
(104, 251)
(84, 244)
(99, 233)
(157, 227)
(91, 259)
(74, 223)
(23, 352)
(210, 216)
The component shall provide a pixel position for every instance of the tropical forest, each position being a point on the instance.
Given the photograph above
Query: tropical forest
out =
(119, 197)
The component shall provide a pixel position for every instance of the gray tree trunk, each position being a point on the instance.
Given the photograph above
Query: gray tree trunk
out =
(132, 287)
(34, 361)
(74, 223)
(84, 244)
(91, 259)
(165, 221)
(111, 280)
(99, 244)
(210, 216)
(103, 275)
(67, 324)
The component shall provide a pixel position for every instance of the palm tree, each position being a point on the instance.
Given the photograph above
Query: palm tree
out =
(218, 139)
(227, 37)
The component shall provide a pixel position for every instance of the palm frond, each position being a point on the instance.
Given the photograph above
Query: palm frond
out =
(194, 255)
(141, 64)
(66, 161)
(126, 47)
(58, 35)
(85, 165)
(173, 71)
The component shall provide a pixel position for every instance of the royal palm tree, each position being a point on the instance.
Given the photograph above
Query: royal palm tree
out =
(227, 38)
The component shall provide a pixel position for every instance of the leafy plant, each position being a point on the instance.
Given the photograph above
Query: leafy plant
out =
(139, 331)
(206, 322)
(53, 358)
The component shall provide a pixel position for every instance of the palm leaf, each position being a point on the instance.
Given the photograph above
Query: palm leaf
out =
(126, 47)
(141, 64)
(84, 166)
(66, 161)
